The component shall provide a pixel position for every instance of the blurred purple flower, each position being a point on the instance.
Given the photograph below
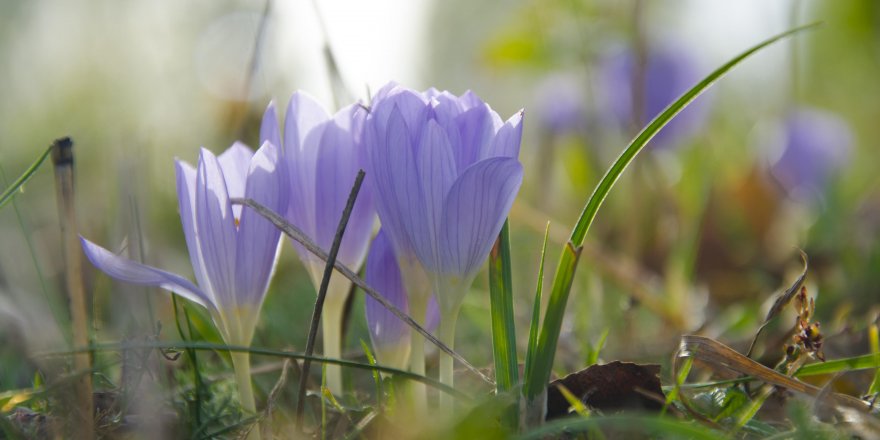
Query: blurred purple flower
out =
(667, 73)
(815, 144)
(323, 154)
(445, 172)
(232, 250)
(559, 102)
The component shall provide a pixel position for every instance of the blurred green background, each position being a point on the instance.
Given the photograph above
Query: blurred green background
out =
(696, 236)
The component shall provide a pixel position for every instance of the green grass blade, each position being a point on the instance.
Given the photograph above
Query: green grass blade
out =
(874, 342)
(546, 349)
(863, 362)
(540, 374)
(503, 327)
(197, 345)
(13, 189)
(534, 326)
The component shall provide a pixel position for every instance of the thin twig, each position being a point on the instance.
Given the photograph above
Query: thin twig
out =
(322, 294)
(296, 234)
(62, 158)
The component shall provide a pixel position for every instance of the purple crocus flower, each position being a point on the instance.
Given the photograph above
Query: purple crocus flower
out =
(445, 172)
(232, 250)
(666, 73)
(324, 154)
(814, 145)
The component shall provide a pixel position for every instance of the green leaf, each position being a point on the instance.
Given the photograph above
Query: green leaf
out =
(540, 374)
(503, 326)
(13, 189)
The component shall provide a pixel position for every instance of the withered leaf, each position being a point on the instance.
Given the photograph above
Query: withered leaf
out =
(611, 387)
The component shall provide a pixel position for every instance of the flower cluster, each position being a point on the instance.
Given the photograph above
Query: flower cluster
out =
(442, 173)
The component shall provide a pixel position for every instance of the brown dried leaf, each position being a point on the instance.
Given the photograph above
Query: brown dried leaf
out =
(611, 387)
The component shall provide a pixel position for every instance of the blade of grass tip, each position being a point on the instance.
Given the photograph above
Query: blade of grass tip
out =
(296, 234)
(535, 323)
(540, 375)
(16, 186)
(62, 158)
(322, 294)
(501, 301)
(377, 378)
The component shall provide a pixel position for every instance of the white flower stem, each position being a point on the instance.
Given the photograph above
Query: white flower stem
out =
(241, 363)
(331, 326)
(418, 306)
(447, 367)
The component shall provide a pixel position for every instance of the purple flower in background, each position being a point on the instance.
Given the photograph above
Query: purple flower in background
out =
(232, 250)
(814, 145)
(323, 154)
(559, 102)
(445, 172)
(633, 92)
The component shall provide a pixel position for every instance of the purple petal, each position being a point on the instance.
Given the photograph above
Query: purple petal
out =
(136, 273)
(383, 274)
(234, 163)
(411, 105)
(257, 241)
(507, 141)
(394, 180)
(475, 210)
(216, 229)
(186, 198)
(304, 115)
(436, 167)
(303, 128)
(476, 128)
(338, 164)
(269, 127)
(432, 315)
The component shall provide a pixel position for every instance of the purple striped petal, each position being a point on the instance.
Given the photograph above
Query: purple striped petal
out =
(383, 274)
(395, 182)
(303, 128)
(436, 168)
(129, 271)
(507, 140)
(216, 229)
(269, 126)
(186, 198)
(475, 210)
(257, 241)
(234, 163)
(338, 164)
